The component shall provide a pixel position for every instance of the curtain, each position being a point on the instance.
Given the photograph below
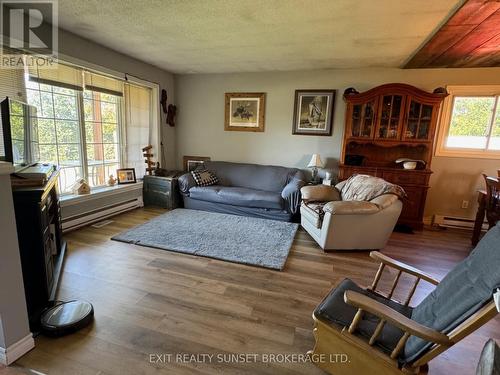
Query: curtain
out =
(140, 128)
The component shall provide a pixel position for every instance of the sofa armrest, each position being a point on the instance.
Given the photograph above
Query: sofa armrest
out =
(186, 182)
(320, 193)
(351, 208)
(291, 194)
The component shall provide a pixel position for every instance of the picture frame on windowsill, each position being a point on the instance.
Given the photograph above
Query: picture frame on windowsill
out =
(126, 176)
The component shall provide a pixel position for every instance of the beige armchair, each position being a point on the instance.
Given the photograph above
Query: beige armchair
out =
(337, 224)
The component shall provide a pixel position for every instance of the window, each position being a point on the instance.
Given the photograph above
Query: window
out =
(470, 122)
(85, 120)
(102, 135)
(58, 129)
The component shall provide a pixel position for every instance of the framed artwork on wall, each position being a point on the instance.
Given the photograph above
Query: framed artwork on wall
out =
(313, 112)
(244, 111)
(190, 163)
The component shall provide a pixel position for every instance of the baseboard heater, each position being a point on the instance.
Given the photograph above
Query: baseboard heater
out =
(455, 222)
(99, 207)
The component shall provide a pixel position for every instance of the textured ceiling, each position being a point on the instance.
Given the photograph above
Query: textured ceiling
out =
(208, 36)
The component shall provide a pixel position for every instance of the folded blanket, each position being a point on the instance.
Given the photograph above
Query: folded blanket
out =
(361, 187)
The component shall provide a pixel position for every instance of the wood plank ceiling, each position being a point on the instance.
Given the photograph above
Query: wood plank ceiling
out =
(469, 39)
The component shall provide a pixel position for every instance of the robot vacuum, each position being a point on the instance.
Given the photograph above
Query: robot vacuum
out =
(66, 317)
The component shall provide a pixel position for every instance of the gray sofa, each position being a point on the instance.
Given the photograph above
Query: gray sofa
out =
(264, 191)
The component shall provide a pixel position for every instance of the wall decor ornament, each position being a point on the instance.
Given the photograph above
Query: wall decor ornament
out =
(313, 112)
(244, 111)
(190, 163)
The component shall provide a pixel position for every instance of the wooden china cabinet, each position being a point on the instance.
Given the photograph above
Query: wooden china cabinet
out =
(387, 123)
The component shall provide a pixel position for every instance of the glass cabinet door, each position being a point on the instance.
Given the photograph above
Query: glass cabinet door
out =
(419, 121)
(363, 119)
(391, 109)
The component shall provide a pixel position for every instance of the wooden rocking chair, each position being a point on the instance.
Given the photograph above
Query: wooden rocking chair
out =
(362, 331)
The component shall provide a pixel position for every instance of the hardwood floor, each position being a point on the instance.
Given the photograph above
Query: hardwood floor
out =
(150, 301)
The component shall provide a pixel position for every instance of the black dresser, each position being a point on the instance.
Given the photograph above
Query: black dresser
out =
(42, 247)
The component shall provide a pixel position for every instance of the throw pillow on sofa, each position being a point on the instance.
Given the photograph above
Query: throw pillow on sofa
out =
(204, 177)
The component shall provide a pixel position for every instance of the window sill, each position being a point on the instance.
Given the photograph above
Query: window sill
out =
(71, 199)
(469, 154)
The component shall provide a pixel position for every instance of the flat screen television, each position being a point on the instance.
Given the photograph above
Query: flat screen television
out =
(18, 133)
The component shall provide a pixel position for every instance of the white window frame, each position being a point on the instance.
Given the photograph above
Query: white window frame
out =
(445, 121)
(82, 145)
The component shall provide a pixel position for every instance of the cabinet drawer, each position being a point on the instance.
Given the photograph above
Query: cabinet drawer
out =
(404, 178)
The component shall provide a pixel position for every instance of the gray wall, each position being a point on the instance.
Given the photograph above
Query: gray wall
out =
(13, 314)
(200, 131)
(84, 49)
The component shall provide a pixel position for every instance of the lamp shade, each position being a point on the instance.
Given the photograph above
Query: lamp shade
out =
(315, 162)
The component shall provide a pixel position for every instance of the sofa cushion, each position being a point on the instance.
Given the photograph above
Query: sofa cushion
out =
(351, 208)
(334, 310)
(253, 176)
(362, 187)
(204, 177)
(237, 196)
(461, 293)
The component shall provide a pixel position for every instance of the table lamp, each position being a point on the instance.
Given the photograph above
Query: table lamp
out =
(315, 163)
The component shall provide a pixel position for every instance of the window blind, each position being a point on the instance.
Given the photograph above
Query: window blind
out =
(100, 83)
(62, 76)
(12, 83)
(140, 128)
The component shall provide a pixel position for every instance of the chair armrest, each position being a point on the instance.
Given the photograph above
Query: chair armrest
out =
(186, 182)
(397, 319)
(403, 267)
(351, 208)
(385, 200)
(291, 194)
(319, 193)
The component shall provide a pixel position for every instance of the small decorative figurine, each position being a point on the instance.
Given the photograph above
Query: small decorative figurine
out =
(81, 187)
(148, 155)
(112, 180)
(172, 111)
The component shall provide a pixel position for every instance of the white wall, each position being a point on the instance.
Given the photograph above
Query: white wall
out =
(14, 325)
(200, 130)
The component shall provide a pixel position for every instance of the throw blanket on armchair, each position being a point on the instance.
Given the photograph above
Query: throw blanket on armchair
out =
(361, 187)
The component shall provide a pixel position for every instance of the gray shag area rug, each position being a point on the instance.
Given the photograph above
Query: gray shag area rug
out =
(240, 239)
